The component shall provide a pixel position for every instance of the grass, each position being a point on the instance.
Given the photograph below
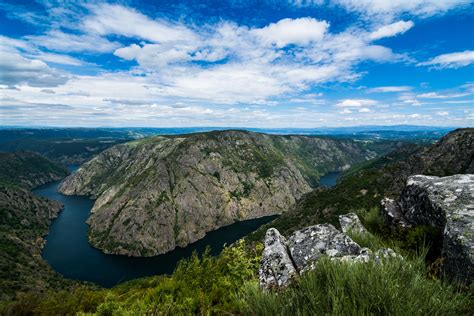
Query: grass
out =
(396, 287)
(399, 286)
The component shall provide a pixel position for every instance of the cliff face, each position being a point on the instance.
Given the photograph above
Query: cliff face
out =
(24, 220)
(156, 194)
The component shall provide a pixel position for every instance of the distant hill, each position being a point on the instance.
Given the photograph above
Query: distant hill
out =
(28, 170)
(68, 146)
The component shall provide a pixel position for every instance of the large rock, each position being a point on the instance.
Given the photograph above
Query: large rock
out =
(448, 204)
(392, 213)
(276, 268)
(311, 243)
(350, 222)
(282, 260)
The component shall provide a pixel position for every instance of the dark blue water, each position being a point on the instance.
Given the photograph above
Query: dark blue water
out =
(330, 179)
(68, 251)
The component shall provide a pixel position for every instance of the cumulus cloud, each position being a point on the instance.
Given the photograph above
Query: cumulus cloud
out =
(345, 111)
(183, 72)
(451, 60)
(390, 30)
(300, 31)
(16, 69)
(356, 102)
(274, 61)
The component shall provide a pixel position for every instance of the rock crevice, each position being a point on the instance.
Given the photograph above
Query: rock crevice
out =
(446, 203)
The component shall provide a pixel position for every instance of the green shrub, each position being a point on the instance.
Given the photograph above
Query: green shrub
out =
(199, 285)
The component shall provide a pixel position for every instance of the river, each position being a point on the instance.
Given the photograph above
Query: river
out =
(68, 251)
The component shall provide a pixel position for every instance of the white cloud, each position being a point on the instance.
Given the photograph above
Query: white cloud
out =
(16, 69)
(390, 89)
(29, 50)
(153, 55)
(187, 73)
(300, 31)
(356, 102)
(390, 9)
(431, 95)
(451, 60)
(119, 20)
(413, 102)
(272, 69)
(65, 42)
(435, 95)
(442, 113)
(229, 83)
(345, 111)
(390, 30)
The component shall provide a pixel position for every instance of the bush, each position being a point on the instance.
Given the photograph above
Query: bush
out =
(206, 285)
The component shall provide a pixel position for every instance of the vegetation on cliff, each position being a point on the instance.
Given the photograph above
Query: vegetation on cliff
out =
(158, 193)
(24, 220)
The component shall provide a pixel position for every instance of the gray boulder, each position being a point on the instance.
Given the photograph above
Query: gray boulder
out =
(350, 222)
(446, 203)
(276, 268)
(311, 243)
(282, 260)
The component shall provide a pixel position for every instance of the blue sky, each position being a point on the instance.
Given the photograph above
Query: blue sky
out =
(237, 63)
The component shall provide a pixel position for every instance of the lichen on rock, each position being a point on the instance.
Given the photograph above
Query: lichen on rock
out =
(276, 265)
(283, 259)
(446, 203)
(350, 222)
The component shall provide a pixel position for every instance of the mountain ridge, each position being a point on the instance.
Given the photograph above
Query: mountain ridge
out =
(171, 180)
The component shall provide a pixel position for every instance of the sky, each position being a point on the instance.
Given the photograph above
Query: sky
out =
(237, 63)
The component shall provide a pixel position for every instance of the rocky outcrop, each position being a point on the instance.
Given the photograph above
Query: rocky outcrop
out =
(392, 213)
(282, 259)
(277, 267)
(311, 243)
(160, 193)
(446, 203)
(350, 222)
